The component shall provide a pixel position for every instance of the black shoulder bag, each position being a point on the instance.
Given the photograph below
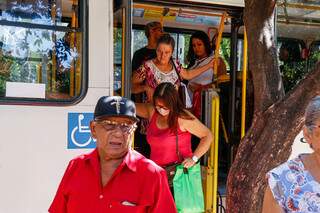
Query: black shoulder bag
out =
(181, 89)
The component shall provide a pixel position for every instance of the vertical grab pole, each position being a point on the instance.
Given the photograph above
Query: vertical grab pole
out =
(212, 169)
(218, 41)
(244, 84)
(72, 45)
(215, 131)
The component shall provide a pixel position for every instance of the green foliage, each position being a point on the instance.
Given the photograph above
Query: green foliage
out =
(293, 72)
(225, 51)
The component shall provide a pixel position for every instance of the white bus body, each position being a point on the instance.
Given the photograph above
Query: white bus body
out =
(33, 144)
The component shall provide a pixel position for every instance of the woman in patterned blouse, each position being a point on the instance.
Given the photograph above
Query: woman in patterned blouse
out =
(162, 69)
(295, 185)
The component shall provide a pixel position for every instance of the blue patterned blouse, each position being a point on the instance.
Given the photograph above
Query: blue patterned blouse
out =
(293, 187)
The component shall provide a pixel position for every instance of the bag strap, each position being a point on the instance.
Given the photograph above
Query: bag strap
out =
(177, 147)
(175, 68)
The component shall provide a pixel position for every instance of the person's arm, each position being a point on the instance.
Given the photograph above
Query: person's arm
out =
(163, 200)
(144, 110)
(198, 129)
(269, 203)
(137, 79)
(192, 73)
(222, 68)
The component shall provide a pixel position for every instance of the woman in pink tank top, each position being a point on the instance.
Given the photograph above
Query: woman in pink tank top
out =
(169, 121)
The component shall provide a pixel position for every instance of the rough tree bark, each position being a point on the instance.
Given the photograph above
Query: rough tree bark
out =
(277, 118)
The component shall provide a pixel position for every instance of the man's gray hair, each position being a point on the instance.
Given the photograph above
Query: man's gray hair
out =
(312, 114)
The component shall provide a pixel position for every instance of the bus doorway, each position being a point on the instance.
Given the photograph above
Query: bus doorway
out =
(181, 20)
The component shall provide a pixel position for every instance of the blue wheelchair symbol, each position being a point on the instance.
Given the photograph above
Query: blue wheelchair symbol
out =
(79, 131)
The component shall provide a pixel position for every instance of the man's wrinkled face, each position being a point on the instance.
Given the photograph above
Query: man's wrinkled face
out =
(114, 136)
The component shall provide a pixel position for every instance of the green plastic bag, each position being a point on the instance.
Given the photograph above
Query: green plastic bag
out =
(187, 187)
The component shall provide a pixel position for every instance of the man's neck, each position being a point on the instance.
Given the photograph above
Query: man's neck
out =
(108, 167)
(151, 44)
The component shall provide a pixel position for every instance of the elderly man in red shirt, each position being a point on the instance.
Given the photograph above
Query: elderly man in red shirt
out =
(113, 178)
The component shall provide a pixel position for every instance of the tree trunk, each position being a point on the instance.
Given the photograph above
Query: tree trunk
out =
(277, 118)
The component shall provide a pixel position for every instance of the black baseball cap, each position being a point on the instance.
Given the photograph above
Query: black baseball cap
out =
(115, 106)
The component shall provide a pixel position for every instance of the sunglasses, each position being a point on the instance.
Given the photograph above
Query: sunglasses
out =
(112, 125)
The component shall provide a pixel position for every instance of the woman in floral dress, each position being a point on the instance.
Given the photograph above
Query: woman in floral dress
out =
(295, 185)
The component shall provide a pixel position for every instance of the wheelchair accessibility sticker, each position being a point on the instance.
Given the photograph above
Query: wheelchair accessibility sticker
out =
(79, 136)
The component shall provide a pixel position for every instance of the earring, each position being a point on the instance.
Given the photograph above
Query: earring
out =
(303, 140)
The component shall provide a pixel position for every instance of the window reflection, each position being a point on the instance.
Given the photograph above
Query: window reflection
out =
(46, 56)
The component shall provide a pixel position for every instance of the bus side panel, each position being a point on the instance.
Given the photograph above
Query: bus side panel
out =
(33, 144)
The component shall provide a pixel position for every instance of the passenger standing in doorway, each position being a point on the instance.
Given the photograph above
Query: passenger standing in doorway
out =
(171, 123)
(163, 69)
(200, 53)
(113, 178)
(153, 31)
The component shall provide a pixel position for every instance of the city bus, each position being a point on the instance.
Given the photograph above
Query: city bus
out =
(58, 57)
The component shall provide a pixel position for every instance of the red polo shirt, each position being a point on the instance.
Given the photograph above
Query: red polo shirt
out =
(137, 182)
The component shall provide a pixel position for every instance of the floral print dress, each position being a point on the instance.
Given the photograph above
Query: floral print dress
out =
(293, 187)
(154, 77)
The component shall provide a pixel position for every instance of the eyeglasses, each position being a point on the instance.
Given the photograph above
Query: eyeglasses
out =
(112, 125)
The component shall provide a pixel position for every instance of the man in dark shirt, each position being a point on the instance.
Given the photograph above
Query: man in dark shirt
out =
(153, 31)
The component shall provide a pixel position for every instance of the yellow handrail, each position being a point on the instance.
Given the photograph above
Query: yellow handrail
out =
(212, 170)
(218, 41)
(244, 84)
(39, 73)
(72, 45)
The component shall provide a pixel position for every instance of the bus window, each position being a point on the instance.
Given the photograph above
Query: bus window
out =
(41, 51)
(122, 47)
(117, 45)
(314, 55)
(292, 66)
(181, 43)
(139, 40)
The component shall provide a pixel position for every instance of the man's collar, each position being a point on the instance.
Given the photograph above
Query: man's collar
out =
(131, 160)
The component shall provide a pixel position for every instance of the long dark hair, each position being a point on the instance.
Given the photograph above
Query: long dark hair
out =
(167, 93)
(191, 56)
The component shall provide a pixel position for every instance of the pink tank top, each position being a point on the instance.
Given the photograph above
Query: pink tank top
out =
(163, 143)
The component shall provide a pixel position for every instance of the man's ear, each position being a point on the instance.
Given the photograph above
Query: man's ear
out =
(93, 129)
(306, 134)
